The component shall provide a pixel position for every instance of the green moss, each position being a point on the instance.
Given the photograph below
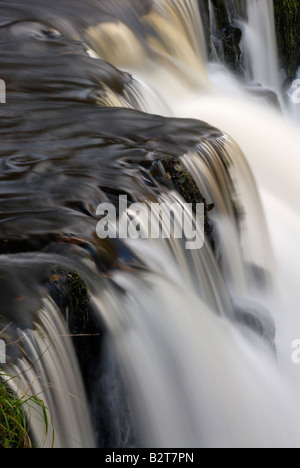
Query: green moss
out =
(71, 293)
(221, 13)
(80, 300)
(183, 182)
(287, 19)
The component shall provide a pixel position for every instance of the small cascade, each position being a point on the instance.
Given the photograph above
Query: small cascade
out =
(262, 64)
(180, 30)
(223, 175)
(48, 369)
(164, 328)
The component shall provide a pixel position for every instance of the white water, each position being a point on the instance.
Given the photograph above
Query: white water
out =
(197, 376)
(51, 373)
(196, 379)
(259, 44)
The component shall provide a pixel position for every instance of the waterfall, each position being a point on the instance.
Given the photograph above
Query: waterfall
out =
(262, 62)
(176, 37)
(192, 347)
(179, 385)
(242, 120)
(49, 370)
(180, 31)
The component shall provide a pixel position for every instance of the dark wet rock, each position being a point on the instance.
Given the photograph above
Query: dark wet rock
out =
(287, 19)
(264, 95)
(230, 36)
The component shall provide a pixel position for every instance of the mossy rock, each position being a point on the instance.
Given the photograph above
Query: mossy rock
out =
(287, 19)
(230, 36)
(71, 293)
(172, 171)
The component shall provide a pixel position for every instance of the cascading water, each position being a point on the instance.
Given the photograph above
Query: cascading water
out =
(262, 63)
(55, 375)
(181, 349)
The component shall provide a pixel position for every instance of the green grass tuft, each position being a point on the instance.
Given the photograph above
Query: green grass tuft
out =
(15, 416)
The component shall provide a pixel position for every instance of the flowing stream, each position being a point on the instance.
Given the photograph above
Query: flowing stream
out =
(176, 348)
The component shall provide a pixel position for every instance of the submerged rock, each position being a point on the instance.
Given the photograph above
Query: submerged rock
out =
(253, 317)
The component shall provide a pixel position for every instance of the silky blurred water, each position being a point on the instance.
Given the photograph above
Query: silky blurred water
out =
(193, 348)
